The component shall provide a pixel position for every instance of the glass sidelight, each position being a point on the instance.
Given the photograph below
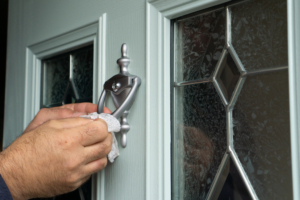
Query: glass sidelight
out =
(68, 78)
(230, 118)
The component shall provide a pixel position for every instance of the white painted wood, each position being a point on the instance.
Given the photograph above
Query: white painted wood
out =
(293, 7)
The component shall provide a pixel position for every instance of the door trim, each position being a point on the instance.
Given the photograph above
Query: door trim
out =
(293, 7)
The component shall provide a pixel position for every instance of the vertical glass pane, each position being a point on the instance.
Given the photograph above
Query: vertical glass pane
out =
(83, 72)
(259, 33)
(199, 140)
(262, 134)
(199, 43)
(56, 77)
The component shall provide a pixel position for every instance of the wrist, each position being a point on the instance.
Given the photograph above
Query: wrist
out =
(10, 176)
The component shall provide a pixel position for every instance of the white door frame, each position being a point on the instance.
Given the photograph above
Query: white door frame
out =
(158, 128)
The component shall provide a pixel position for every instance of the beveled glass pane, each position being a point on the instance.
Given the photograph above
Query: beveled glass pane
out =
(83, 72)
(228, 76)
(262, 134)
(234, 187)
(199, 41)
(56, 77)
(259, 33)
(199, 141)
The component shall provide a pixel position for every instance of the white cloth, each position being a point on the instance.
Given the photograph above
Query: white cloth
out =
(113, 126)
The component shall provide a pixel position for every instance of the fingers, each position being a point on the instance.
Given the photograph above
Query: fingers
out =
(91, 133)
(84, 107)
(68, 123)
(95, 166)
(98, 150)
(47, 114)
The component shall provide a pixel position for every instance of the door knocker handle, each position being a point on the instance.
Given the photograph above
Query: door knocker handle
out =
(123, 88)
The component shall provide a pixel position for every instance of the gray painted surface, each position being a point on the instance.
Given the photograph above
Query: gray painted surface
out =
(34, 21)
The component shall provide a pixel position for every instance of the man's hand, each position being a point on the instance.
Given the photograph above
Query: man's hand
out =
(65, 111)
(55, 155)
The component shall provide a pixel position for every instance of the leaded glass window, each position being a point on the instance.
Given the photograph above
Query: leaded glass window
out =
(230, 110)
(68, 78)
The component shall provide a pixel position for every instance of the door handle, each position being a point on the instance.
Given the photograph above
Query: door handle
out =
(123, 89)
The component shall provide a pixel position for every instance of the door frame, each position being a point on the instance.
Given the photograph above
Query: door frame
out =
(158, 110)
(293, 7)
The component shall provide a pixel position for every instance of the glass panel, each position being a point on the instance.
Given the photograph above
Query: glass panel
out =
(56, 77)
(228, 76)
(262, 134)
(234, 187)
(259, 33)
(199, 44)
(199, 140)
(83, 72)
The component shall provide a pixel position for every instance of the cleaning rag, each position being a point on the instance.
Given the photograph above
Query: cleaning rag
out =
(113, 126)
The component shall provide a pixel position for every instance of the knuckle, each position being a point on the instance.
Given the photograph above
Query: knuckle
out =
(51, 123)
(43, 111)
(102, 125)
(72, 179)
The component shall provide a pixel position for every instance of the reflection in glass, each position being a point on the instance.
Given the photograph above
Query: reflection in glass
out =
(262, 134)
(234, 187)
(56, 77)
(199, 43)
(228, 76)
(83, 72)
(199, 141)
(259, 33)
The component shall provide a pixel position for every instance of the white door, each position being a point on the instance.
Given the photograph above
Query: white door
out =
(153, 165)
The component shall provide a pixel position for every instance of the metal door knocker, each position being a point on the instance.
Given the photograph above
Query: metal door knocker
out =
(123, 88)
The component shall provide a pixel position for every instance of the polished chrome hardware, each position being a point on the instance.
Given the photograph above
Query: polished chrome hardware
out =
(123, 88)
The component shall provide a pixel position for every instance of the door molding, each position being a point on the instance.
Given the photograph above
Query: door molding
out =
(158, 125)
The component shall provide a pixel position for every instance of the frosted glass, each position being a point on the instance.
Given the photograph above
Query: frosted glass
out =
(228, 76)
(56, 77)
(199, 43)
(262, 134)
(83, 72)
(259, 33)
(200, 140)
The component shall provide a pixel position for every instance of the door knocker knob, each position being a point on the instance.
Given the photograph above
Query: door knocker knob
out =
(123, 88)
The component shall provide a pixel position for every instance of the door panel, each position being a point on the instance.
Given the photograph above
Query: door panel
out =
(35, 22)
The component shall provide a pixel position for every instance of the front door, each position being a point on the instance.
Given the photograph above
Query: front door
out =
(211, 117)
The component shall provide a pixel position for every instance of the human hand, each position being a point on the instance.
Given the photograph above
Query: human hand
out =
(57, 156)
(65, 111)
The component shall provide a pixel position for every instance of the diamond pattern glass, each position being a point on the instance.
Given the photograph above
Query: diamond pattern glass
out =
(259, 33)
(199, 43)
(56, 77)
(262, 134)
(234, 187)
(83, 72)
(228, 76)
(200, 139)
